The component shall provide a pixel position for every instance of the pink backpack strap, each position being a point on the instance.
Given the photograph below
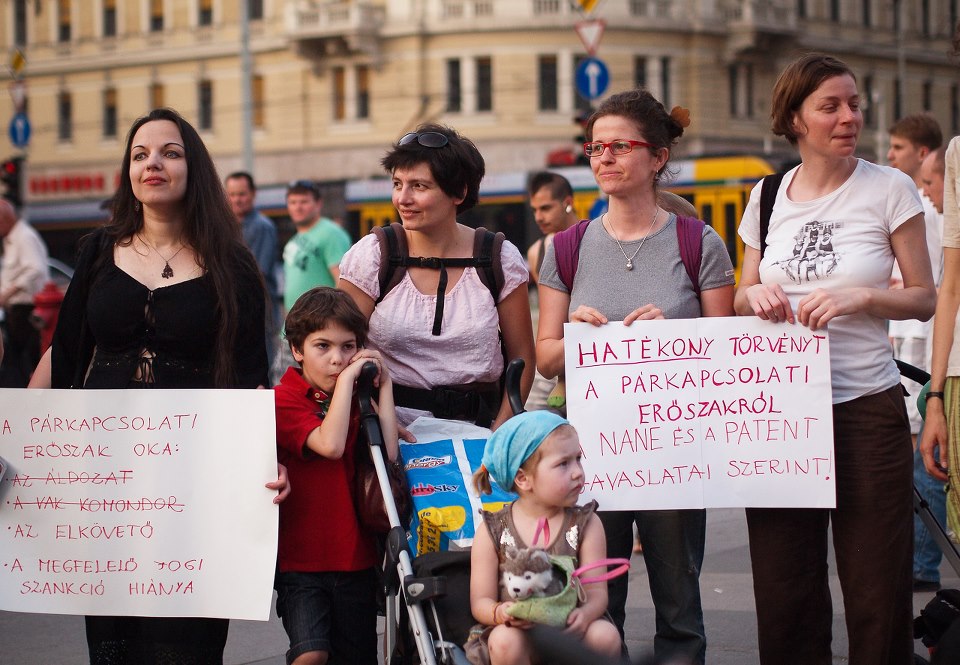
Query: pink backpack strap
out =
(566, 248)
(543, 527)
(622, 566)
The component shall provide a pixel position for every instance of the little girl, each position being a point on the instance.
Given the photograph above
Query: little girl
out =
(537, 455)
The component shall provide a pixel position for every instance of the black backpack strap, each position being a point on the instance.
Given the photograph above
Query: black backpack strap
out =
(487, 247)
(393, 252)
(768, 196)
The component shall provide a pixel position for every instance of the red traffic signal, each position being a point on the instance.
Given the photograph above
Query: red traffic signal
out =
(11, 177)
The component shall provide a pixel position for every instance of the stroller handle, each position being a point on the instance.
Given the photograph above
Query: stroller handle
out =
(369, 423)
(511, 380)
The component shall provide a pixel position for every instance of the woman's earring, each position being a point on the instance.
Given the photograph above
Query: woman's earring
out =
(568, 209)
(136, 206)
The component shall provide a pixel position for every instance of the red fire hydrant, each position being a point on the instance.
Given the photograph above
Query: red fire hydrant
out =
(46, 309)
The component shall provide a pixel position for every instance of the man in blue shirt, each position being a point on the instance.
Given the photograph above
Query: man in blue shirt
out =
(260, 235)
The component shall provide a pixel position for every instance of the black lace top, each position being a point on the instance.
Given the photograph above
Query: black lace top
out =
(168, 334)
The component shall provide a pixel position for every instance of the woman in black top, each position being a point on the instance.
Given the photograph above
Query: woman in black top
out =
(164, 296)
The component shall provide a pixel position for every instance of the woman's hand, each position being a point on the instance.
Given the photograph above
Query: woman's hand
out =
(584, 314)
(645, 313)
(934, 435)
(281, 484)
(820, 306)
(770, 303)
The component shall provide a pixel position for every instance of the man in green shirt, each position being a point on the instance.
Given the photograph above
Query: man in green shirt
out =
(312, 256)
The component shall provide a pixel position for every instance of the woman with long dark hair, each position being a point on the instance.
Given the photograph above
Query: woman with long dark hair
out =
(165, 296)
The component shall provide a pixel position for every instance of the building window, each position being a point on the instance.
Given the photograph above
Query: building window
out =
(156, 96)
(925, 18)
(20, 22)
(897, 106)
(483, 8)
(927, 95)
(801, 8)
(640, 71)
(363, 92)
(541, 7)
(580, 103)
(205, 12)
(156, 15)
(953, 13)
(64, 117)
(63, 20)
(954, 109)
(205, 105)
(339, 80)
(665, 81)
(258, 115)
(255, 10)
(484, 84)
(547, 83)
(109, 18)
(454, 91)
(110, 113)
(867, 16)
(741, 90)
(869, 116)
(835, 11)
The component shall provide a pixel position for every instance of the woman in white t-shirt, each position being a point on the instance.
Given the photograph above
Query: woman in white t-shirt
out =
(439, 328)
(837, 224)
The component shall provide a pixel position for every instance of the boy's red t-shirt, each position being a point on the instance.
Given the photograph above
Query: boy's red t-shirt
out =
(318, 524)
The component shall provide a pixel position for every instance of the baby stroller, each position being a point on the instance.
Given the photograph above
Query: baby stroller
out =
(428, 613)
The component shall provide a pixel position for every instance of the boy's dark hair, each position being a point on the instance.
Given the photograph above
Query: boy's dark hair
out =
(318, 308)
(921, 129)
(457, 166)
(558, 186)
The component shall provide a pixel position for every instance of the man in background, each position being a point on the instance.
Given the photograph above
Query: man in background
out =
(551, 198)
(23, 272)
(912, 139)
(926, 551)
(312, 256)
(260, 235)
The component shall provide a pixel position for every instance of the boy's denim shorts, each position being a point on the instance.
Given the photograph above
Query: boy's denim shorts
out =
(334, 612)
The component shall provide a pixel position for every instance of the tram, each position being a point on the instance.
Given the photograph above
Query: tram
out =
(718, 186)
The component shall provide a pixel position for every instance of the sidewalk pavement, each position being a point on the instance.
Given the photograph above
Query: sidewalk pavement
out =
(726, 584)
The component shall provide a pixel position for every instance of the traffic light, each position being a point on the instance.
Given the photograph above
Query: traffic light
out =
(11, 177)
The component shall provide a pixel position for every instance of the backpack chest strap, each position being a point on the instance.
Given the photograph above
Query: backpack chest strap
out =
(436, 263)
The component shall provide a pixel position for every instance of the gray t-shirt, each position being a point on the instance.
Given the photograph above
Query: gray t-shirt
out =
(658, 275)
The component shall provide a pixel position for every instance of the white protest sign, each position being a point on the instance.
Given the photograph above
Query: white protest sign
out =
(710, 412)
(138, 502)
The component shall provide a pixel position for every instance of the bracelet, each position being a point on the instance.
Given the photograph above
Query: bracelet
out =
(495, 608)
(935, 393)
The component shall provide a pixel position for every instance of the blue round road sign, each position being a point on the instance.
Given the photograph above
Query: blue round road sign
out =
(20, 130)
(593, 77)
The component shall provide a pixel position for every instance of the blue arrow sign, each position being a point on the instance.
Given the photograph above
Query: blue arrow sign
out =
(20, 130)
(593, 77)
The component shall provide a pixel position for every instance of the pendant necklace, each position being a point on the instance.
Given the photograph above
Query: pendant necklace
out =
(656, 213)
(167, 272)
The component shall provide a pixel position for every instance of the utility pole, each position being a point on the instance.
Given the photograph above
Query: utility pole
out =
(246, 103)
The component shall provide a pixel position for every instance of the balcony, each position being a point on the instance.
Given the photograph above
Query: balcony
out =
(318, 29)
(757, 25)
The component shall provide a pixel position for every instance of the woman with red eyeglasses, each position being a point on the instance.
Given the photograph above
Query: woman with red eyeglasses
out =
(630, 269)
(438, 318)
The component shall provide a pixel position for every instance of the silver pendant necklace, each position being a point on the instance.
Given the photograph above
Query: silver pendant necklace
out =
(167, 271)
(656, 213)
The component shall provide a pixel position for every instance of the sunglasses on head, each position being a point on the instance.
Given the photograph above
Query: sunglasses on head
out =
(426, 139)
(304, 184)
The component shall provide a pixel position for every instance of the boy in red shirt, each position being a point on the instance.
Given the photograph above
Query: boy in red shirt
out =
(326, 580)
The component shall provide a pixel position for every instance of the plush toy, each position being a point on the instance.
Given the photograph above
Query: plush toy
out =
(529, 573)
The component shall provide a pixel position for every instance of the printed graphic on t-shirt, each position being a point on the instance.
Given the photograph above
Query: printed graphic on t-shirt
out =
(303, 251)
(813, 255)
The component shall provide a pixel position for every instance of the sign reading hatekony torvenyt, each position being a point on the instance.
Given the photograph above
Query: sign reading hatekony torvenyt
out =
(138, 502)
(710, 412)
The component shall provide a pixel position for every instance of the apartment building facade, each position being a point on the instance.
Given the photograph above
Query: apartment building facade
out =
(333, 83)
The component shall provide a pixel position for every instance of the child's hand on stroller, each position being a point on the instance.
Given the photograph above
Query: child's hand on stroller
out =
(351, 372)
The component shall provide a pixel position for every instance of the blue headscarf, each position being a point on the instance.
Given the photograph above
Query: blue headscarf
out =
(514, 441)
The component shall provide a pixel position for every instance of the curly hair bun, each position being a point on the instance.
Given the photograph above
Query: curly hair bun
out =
(681, 116)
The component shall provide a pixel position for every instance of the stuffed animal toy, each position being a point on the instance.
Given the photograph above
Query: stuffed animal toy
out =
(529, 573)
